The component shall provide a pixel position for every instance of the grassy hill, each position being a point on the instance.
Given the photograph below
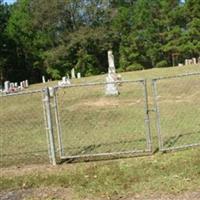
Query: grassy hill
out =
(147, 74)
(106, 124)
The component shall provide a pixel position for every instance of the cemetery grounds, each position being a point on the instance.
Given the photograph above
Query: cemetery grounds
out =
(171, 175)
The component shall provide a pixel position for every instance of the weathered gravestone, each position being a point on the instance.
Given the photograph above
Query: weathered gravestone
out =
(43, 79)
(78, 75)
(6, 86)
(194, 61)
(21, 85)
(12, 86)
(26, 83)
(65, 81)
(111, 86)
(73, 73)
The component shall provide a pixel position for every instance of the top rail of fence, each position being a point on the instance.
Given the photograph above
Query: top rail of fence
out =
(21, 93)
(100, 83)
(177, 76)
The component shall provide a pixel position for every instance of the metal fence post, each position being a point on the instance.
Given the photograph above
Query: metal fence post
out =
(155, 96)
(58, 125)
(51, 142)
(147, 120)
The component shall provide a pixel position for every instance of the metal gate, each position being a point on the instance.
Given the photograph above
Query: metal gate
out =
(177, 103)
(91, 124)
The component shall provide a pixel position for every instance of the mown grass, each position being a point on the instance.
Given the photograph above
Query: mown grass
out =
(94, 123)
(162, 173)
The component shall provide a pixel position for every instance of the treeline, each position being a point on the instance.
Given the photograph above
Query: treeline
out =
(50, 37)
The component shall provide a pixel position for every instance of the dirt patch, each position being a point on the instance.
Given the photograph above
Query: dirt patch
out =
(114, 102)
(104, 102)
(38, 194)
(30, 169)
(181, 196)
(67, 194)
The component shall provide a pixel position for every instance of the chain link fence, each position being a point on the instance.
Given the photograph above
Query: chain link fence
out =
(22, 131)
(94, 124)
(177, 101)
(82, 122)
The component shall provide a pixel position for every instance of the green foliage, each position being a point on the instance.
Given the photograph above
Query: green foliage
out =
(162, 63)
(134, 67)
(51, 37)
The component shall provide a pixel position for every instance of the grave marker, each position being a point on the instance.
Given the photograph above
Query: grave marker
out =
(6, 86)
(73, 73)
(111, 87)
(78, 75)
(43, 79)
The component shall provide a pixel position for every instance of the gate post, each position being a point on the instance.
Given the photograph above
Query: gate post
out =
(155, 96)
(147, 119)
(50, 136)
(58, 125)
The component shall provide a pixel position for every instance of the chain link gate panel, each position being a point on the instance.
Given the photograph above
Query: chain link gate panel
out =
(91, 124)
(177, 102)
(22, 132)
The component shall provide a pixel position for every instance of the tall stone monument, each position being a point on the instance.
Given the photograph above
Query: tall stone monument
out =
(111, 86)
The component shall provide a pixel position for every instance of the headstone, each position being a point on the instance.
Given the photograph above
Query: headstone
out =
(65, 81)
(198, 60)
(21, 85)
(6, 86)
(43, 79)
(186, 61)
(16, 84)
(73, 73)
(194, 60)
(180, 64)
(78, 75)
(111, 86)
(26, 83)
(111, 64)
(68, 82)
(12, 86)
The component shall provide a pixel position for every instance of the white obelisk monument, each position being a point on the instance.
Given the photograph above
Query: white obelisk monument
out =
(111, 86)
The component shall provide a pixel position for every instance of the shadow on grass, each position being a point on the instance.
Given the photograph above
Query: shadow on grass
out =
(175, 139)
(90, 148)
(121, 147)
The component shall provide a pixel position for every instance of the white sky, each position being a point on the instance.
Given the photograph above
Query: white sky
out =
(9, 1)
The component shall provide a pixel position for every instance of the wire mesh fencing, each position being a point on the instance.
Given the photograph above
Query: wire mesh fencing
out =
(177, 101)
(85, 122)
(22, 131)
(92, 123)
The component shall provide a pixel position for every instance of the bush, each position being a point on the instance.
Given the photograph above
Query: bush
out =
(119, 70)
(134, 67)
(162, 63)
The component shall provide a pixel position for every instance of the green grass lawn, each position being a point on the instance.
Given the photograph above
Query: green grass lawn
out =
(93, 123)
(172, 173)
